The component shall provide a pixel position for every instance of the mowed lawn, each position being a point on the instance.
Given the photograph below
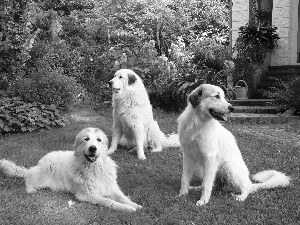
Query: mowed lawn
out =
(153, 183)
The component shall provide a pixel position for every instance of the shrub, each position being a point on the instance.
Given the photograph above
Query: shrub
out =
(17, 115)
(48, 87)
(254, 42)
(287, 96)
(204, 61)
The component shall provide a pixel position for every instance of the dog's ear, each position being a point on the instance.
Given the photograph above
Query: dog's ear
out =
(131, 78)
(194, 97)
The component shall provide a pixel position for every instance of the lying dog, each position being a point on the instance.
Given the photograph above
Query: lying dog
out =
(88, 172)
(212, 149)
(134, 125)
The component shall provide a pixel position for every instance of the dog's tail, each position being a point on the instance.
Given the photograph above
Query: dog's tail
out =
(172, 141)
(10, 169)
(270, 179)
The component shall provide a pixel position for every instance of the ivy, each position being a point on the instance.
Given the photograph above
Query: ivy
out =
(17, 115)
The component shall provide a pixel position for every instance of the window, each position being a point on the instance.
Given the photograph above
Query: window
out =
(260, 12)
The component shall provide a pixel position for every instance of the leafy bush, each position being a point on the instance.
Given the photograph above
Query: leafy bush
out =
(76, 37)
(17, 115)
(143, 58)
(203, 61)
(48, 87)
(254, 42)
(287, 96)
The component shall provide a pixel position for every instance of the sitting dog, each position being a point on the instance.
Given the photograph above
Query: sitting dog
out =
(134, 125)
(86, 172)
(211, 149)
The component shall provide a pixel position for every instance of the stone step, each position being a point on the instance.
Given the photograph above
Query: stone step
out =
(255, 109)
(284, 69)
(252, 102)
(279, 75)
(258, 94)
(268, 85)
(259, 118)
(272, 80)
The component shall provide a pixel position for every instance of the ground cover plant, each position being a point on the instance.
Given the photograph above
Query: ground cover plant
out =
(153, 183)
(18, 116)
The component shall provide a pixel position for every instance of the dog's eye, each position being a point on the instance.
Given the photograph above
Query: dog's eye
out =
(87, 139)
(98, 139)
(217, 96)
(120, 77)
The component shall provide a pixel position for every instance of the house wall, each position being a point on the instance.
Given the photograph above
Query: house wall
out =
(240, 17)
(298, 35)
(285, 17)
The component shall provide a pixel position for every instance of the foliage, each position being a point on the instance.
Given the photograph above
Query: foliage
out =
(89, 40)
(254, 42)
(144, 59)
(17, 115)
(203, 61)
(48, 87)
(287, 96)
(12, 38)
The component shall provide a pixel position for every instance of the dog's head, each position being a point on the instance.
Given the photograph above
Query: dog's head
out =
(209, 100)
(123, 79)
(91, 144)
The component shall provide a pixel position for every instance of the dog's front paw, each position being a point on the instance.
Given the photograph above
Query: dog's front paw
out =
(201, 202)
(183, 191)
(240, 197)
(137, 207)
(159, 149)
(142, 157)
(130, 209)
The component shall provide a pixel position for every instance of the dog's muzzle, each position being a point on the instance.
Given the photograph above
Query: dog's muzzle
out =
(115, 90)
(219, 115)
(91, 157)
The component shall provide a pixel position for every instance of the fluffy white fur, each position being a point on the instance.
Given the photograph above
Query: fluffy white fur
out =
(211, 149)
(86, 172)
(134, 125)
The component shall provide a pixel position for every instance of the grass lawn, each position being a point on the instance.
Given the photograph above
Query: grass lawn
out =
(153, 183)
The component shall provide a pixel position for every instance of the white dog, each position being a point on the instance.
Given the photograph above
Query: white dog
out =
(88, 172)
(134, 125)
(212, 150)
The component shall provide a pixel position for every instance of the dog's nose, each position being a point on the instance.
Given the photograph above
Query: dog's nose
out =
(231, 108)
(110, 83)
(93, 148)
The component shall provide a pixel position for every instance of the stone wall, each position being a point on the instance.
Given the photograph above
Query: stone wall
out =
(240, 17)
(285, 17)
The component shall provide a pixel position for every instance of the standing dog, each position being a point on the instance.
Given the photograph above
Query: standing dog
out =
(212, 149)
(88, 172)
(134, 125)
